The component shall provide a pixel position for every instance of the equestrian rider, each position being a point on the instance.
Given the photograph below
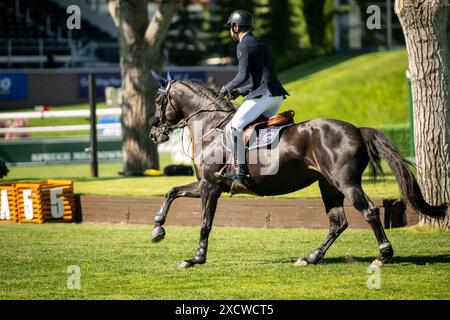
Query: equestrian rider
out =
(256, 79)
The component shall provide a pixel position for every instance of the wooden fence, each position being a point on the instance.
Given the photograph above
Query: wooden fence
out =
(236, 212)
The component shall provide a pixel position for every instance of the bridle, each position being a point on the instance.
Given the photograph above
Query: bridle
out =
(167, 127)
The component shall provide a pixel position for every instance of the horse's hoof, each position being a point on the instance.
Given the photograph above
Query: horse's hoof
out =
(158, 234)
(376, 264)
(301, 262)
(185, 264)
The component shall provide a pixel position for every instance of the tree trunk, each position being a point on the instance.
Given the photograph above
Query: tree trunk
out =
(140, 51)
(425, 26)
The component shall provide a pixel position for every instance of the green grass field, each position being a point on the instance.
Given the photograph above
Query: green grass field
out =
(120, 262)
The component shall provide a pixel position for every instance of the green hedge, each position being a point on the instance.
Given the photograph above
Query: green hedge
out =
(399, 134)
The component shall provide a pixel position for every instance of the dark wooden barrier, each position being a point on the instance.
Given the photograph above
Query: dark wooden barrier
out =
(235, 212)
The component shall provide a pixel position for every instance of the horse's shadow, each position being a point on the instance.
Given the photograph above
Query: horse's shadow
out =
(413, 260)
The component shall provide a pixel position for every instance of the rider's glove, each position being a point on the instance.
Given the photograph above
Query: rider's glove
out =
(234, 94)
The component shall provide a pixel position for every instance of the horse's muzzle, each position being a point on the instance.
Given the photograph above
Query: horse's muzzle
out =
(158, 136)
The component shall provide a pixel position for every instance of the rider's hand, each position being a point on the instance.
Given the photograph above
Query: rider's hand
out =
(223, 91)
(234, 94)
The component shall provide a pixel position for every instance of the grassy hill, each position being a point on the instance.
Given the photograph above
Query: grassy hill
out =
(366, 90)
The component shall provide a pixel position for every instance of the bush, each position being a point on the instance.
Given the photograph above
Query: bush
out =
(399, 134)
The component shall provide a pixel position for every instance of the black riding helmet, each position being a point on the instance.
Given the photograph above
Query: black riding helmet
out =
(242, 18)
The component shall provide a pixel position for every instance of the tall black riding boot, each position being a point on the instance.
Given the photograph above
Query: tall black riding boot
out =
(240, 174)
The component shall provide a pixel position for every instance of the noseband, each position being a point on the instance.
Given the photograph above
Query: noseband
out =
(166, 126)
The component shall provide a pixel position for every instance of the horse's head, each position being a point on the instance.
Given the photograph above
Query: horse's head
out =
(168, 112)
(179, 101)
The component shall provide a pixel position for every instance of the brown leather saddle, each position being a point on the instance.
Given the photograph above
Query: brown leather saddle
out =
(286, 117)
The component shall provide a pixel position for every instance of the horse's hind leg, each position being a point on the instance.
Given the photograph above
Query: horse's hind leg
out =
(190, 190)
(371, 214)
(334, 205)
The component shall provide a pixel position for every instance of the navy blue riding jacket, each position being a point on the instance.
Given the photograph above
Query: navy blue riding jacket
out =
(257, 68)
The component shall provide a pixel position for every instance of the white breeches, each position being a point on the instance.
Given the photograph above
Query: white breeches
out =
(251, 109)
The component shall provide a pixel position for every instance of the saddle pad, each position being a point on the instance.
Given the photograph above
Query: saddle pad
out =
(265, 137)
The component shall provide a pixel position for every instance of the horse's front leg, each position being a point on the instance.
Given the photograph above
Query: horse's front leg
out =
(210, 194)
(190, 190)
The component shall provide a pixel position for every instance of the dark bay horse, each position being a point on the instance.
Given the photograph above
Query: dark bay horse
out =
(332, 152)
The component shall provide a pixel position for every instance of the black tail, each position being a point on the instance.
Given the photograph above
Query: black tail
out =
(378, 144)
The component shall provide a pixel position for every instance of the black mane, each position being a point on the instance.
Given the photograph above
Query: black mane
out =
(206, 94)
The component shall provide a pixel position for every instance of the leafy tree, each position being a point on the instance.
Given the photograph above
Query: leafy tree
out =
(184, 43)
(276, 26)
(314, 13)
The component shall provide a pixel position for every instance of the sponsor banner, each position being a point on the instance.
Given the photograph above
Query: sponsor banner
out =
(102, 81)
(58, 150)
(13, 86)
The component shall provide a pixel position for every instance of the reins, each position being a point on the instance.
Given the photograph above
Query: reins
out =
(184, 121)
(215, 128)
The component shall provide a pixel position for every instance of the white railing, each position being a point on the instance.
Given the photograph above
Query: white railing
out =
(179, 151)
(78, 127)
(59, 114)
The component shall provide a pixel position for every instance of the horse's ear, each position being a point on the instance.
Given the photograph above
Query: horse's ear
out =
(158, 78)
(169, 76)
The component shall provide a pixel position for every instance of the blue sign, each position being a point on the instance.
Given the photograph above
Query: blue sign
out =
(102, 81)
(13, 86)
